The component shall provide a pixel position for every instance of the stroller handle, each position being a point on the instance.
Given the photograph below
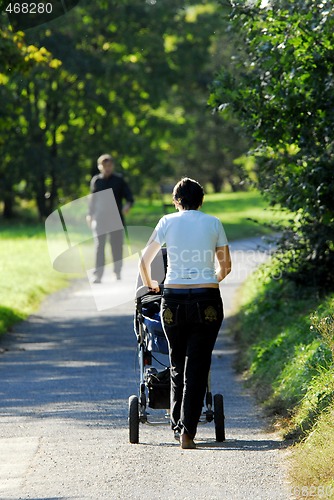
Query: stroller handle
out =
(144, 291)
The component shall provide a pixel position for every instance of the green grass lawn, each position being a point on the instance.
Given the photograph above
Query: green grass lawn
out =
(26, 273)
(237, 211)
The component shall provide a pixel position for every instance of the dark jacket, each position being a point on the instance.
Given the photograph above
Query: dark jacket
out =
(119, 186)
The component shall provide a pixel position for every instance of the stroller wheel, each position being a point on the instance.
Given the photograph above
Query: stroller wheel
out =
(133, 419)
(219, 417)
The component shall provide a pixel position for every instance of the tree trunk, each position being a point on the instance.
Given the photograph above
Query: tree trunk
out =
(53, 194)
(216, 182)
(40, 198)
(8, 207)
(8, 199)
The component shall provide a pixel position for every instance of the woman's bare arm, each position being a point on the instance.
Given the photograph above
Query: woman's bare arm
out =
(146, 260)
(224, 262)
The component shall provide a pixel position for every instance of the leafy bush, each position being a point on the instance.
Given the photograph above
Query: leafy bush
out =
(281, 89)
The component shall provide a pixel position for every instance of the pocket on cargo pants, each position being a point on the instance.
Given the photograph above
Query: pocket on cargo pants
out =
(211, 311)
(169, 312)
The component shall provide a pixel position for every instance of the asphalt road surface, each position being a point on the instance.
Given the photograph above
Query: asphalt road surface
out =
(66, 375)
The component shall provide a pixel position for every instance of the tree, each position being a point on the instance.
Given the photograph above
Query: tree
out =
(20, 61)
(283, 94)
(207, 145)
(135, 85)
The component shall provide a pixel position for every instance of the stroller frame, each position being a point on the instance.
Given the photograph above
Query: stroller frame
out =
(138, 413)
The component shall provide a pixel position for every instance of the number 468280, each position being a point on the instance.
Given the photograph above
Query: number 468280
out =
(29, 8)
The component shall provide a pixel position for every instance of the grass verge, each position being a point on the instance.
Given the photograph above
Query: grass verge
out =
(26, 273)
(312, 460)
(286, 337)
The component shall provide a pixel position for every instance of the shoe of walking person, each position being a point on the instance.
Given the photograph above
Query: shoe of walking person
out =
(187, 443)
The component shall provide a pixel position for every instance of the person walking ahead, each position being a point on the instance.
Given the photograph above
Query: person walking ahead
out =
(108, 179)
(191, 306)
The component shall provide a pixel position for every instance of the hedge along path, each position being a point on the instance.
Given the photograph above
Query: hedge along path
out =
(66, 376)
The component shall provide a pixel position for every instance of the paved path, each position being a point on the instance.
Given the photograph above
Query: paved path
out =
(66, 375)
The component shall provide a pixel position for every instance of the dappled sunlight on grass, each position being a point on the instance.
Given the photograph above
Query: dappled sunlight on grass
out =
(235, 210)
(26, 272)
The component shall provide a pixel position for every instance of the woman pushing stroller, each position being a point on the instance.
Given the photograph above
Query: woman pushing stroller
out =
(191, 306)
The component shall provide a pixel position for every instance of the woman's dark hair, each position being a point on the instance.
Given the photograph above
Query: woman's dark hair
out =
(188, 193)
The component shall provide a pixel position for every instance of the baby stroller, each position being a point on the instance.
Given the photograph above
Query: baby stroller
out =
(154, 384)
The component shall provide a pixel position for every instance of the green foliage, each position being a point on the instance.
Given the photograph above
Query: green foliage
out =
(324, 327)
(282, 91)
(286, 339)
(320, 390)
(20, 63)
(129, 77)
